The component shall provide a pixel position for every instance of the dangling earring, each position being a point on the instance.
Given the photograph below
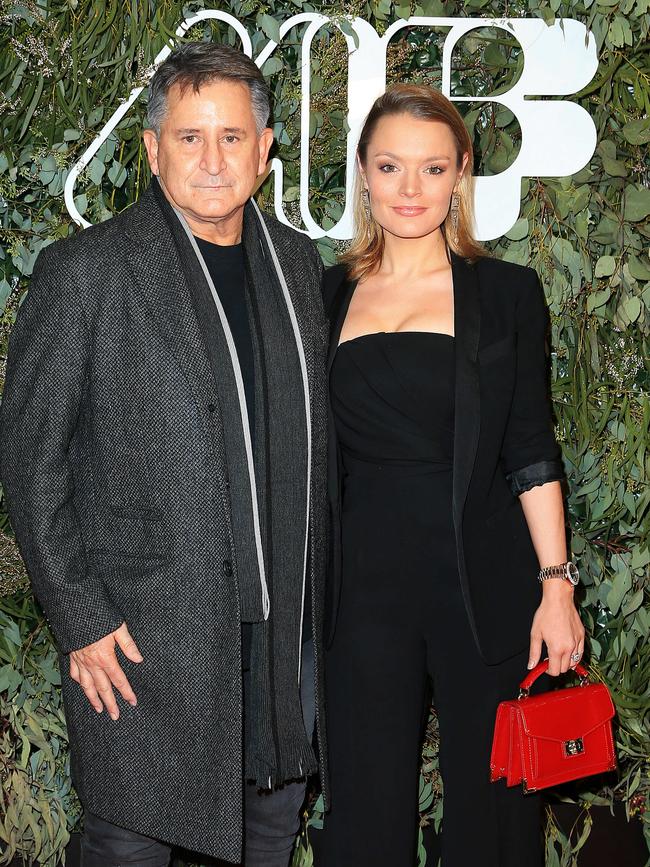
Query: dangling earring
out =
(453, 213)
(366, 202)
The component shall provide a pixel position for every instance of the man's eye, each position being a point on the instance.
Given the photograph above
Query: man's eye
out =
(190, 139)
(231, 139)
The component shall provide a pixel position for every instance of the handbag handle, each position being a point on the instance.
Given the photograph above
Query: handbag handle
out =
(541, 668)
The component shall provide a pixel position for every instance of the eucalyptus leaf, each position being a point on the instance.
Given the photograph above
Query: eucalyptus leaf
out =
(639, 269)
(272, 66)
(95, 115)
(96, 170)
(605, 266)
(637, 203)
(270, 26)
(117, 174)
(519, 230)
(637, 132)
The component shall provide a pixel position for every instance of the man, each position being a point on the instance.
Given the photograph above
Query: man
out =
(163, 456)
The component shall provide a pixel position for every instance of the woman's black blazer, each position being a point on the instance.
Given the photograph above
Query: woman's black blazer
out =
(503, 444)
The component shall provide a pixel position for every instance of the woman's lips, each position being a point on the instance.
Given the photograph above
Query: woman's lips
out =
(409, 211)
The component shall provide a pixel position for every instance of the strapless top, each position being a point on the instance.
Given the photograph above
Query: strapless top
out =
(392, 398)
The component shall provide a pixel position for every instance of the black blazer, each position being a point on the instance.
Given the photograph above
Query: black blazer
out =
(503, 444)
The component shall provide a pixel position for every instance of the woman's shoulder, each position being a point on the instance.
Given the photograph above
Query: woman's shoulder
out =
(491, 268)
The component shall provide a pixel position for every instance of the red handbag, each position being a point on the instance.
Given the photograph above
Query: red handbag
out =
(554, 737)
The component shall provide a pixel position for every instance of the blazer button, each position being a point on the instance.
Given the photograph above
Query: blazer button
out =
(211, 407)
(227, 568)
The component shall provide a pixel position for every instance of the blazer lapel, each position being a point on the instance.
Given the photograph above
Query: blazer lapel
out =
(160, 279)
(337, 313)
(467, 324)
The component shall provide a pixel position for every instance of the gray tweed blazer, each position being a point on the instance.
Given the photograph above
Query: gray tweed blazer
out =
(116, 476)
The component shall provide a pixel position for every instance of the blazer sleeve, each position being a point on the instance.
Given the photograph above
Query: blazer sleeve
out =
(530, 453)
(46, 376)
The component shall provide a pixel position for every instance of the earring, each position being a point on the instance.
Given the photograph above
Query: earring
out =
(453, 213)
(366, 202)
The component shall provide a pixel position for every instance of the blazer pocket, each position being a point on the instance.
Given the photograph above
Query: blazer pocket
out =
(137, 533)
(498, 349)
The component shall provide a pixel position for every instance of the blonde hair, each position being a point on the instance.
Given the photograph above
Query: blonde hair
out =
(424, 103)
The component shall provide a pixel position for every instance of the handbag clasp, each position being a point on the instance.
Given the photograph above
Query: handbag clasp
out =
(574, 748)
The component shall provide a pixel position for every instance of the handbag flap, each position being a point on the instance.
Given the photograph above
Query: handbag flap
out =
(566, 714)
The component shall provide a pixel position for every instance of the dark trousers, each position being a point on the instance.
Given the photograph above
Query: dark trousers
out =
(402, 622)
(272, 819)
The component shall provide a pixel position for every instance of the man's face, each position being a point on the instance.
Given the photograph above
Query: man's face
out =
(208, 154)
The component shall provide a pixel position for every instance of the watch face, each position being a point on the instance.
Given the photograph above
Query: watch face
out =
(572, 573)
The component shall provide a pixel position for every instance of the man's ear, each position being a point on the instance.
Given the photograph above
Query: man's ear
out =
(151, 144)
(265, 142)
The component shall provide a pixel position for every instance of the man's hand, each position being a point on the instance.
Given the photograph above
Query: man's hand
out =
(558, 625)
(97, 671)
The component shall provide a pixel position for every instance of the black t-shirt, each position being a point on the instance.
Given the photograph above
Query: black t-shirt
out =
(226, 267)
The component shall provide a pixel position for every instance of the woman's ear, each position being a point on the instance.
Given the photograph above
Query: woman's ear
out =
(461, 171)
(362, 174)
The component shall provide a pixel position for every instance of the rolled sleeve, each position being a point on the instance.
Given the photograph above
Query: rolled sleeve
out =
(524, 479)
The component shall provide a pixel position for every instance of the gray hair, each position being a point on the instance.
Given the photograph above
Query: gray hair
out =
(198, 63)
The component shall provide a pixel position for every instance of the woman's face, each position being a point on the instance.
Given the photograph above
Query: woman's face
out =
(411, 171)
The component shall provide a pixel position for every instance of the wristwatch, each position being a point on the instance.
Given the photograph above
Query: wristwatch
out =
(567, 571)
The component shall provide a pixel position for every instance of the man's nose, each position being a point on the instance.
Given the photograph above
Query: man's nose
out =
(213, 161)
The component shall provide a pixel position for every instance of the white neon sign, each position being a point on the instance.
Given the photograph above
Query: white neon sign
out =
(558, 137)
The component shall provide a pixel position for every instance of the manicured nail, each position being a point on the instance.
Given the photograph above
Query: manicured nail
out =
(114, 715)
(133, 702)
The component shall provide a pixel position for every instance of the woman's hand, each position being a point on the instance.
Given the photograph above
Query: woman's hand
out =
(557, 624)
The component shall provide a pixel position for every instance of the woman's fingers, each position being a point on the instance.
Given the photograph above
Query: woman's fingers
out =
(535, 651)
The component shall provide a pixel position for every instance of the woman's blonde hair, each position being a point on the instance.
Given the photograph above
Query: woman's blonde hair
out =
(424, 103)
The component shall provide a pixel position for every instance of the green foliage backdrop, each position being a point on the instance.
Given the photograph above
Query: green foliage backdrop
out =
(66, 65)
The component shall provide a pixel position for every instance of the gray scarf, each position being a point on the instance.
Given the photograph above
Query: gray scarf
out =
(268, 493)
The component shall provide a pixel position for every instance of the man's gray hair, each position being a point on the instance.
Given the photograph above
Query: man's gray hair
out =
(197, 63)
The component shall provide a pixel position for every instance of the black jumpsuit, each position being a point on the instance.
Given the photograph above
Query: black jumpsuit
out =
(402, 619)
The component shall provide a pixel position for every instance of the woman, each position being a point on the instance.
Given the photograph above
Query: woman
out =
(446, 494)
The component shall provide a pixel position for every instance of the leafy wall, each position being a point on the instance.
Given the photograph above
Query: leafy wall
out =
(65, 65)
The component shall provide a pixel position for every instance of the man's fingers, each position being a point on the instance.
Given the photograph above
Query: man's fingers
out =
(96, 669)
(105, 690)
(87, 683)
(127, 644)
(121, 683)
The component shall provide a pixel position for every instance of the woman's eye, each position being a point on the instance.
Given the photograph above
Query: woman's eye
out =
(434, 170)
(387, 168)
